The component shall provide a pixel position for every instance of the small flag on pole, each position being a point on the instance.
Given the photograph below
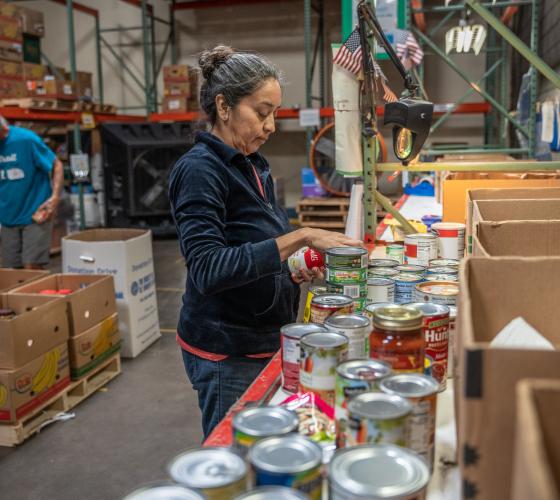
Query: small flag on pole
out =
(349, 56)
(388, 94)
(407, 49)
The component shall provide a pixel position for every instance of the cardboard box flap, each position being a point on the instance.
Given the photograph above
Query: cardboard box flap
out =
(100, 235)
(513, 193)
(503, 210)
(11, 278)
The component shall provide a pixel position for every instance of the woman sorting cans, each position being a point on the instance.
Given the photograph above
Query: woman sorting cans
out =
(234, 236)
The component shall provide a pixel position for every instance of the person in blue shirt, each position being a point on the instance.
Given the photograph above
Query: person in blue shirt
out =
(31, 179)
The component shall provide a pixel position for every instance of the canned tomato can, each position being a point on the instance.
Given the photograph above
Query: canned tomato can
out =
(273, 493)
(345, 275)
(374, 417)
(321, 352)
(347, 257)
(164, 490)
(312, 292)
(371, 308)
(444, 262)
(411, 269)
(290, 335)
(253, 424)
(451, 239)
(305, 259)
(218, 473)
(377, 471)
(329, 304)
(443, 270)
(382, 272)
(405, 285)
(420, 248)
(383, 263)
(441, 277)
(395, 251)
(421, 391)
(452, 340)
(380, 290)
(438, 292)
(352, 378)
(356, 291)
(356, 328)
(293, 461)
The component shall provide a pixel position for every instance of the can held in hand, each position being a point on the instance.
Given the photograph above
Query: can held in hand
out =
(293, 461)
(345, 275)
(380, 290)
(320, 354)
(420, 248)
(438, 292)
(382, 272)
(421, 392)
(312, 292)
(329, 304)
(451, 239)
(218, 473)
(290, 336)
(347, 257)
(305, 259)
(405, 285)
(355, 377)
(452, 333)
(411, 269)
(395, 251)
(375, 418)
(356, 328)
(356, 291)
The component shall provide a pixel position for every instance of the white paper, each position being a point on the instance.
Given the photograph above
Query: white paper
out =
(355, 219)
(518, 334)
(309, 117)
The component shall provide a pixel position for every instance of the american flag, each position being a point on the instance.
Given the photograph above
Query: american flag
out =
(349, 56)
(388, 94)
(407, 49)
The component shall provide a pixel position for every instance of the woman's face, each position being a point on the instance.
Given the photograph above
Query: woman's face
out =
(250, 123)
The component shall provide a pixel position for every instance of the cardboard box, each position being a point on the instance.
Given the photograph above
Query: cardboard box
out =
(33, 71)
(8, 9)
(177, 89)
(53, 89)
(176, 72)
(12, 88)
(40, 324)
(494, 291)
(175, 104)
(537, 441)
(11, 69)
(92, 299)
(126, 254)
(13, 278)
(24, 389)
(84, 83)
(503, 194)
(517, 238)
(91, 348)
(32, 21)
(10, 29)
(455, 186)
(11, 51)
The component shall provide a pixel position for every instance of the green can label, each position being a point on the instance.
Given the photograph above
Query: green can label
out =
(355, 291)
(343, 276)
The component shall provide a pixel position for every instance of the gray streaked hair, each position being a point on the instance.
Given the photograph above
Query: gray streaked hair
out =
(233, 74)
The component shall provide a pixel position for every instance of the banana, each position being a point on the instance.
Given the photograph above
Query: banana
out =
(56, 357)
(40, 377)
(49, 376)
(3, 395)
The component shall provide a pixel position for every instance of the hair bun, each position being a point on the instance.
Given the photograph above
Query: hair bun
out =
(210, 60)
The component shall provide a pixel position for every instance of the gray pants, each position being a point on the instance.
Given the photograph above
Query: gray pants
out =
(26, 245)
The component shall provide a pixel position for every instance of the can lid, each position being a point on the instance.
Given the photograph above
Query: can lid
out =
(298, 330)
(420, 236)
(287, 454)
(376, 405)
(441, 277)
(347, 321)
(164, 491)
(380, 282)
(331, 299)
(444, 262)
(382, 471)
(439, 287)
(411, 268)
(408, 278)
(409, 385)
(442, 270)
(429, 308)
(266, 421)
(383, 263)
(325, 340)
(364, 369)
(384, 271)
(448, 225)
(272, 493)
(397, 317)
(346, 251)
(371, 308)
(211, 467)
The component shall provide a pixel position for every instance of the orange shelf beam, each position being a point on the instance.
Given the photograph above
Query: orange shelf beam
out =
(15, 113)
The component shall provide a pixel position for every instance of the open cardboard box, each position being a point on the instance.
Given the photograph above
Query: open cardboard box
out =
(92, 299)
(12, 278)
(495, 291)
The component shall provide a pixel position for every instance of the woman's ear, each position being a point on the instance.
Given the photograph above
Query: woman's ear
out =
(222, 108)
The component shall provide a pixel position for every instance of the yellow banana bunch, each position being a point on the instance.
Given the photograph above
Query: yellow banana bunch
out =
(3, 395)
(46, 376)
(101, 343)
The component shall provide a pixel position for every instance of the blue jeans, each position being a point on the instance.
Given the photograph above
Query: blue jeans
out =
(219, 384)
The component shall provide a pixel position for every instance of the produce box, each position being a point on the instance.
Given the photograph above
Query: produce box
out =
(90, 299)
(24, 389)
(177, 72)
(53, 89)
(126, 254)
(177, 89)
(8, 9)
(84, 83)
(536, 473)
(495, 291)
(11, 51)
(175, 104)
(32, 21)
(13, 278)
(11, 69)
(33, 71)
(12, 88)
(91, 348)
(10, 29)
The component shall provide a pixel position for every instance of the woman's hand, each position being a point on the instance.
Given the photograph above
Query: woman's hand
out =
(322, 240)
(308, 276)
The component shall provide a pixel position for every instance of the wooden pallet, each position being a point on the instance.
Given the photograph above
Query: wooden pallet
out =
(92, 107)
(74, 394)
(328, 213)
(40, 103)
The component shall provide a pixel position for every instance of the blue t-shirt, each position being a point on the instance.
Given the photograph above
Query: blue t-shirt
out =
(25, 166)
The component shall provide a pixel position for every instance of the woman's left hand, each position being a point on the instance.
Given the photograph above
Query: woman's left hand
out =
(308, 276)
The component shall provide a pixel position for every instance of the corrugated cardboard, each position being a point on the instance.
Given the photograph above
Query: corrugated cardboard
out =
(10, 29)
(11, 51)
(53, 89)
(12, 278)
(175, 104)
(176, 72)
(494, 291)
(536, 474)
(11, 88)
(84, 82)
(40, 324)
(517, 238)
(32, 21)
(127, 255)
(91, 348)
(92, 300)
(26, 388)
(32, 71)
(11, 69)
(8, 9)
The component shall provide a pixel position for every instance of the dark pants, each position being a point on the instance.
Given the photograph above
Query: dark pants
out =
(220, 384)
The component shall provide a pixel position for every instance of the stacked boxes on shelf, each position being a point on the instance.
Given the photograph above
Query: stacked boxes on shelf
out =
(12, 84)
(180, 89)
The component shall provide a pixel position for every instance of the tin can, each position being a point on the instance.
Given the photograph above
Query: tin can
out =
(355, 291)
(320, 354)
(452, 333)
(273, 493)
(345, 275)
(360, 304)
(395, 251)
(405, 285)
(312, 292)
(420, 248)
(443, 270)
(383, 263)
(438, 292)
(216, 472)
(444, 262)
(377, 471)
(347, 257)
(164, 490)
(253, 424)
(436, 335)
(374, 417)
(441, 277)
(382, 272)
(323, 306)
(352, 378)
(411, 269)
(371, 308)
(380, 290)
(356, 328)
(451, 239)
(290, 336)
(421, 391)
(305, 259)
(293, 461)
(397, 338)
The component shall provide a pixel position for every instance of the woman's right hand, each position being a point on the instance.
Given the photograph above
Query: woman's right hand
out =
(322, 240)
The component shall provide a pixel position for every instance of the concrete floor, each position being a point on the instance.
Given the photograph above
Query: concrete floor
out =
(121, 437)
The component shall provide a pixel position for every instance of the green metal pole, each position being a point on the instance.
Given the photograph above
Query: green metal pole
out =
(322, 92)
(123, 64)
(172, 32)
(147, 65)
(308, 75)
(504, 91)
(533, 81)
(98, 60)
(515, 42)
